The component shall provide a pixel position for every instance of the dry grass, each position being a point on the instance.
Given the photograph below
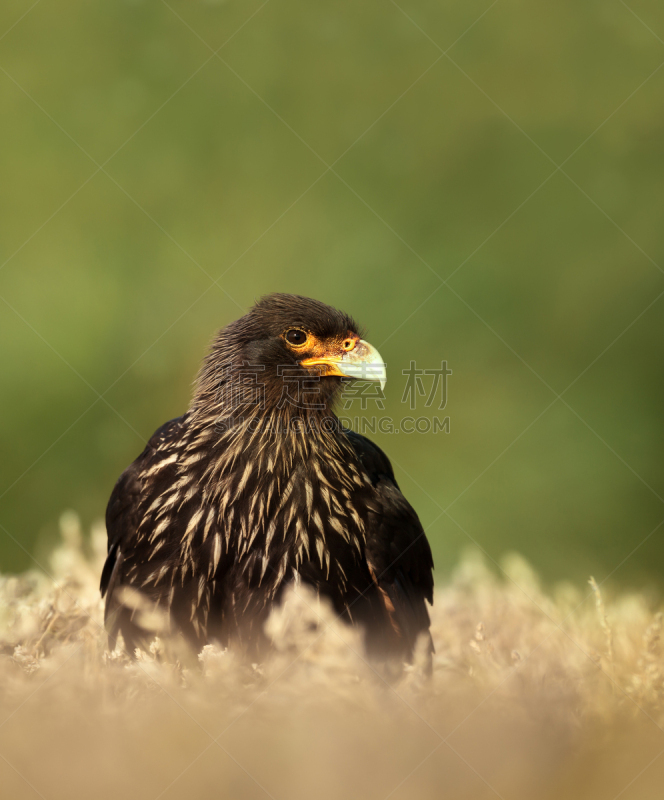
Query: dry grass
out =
(533, 696)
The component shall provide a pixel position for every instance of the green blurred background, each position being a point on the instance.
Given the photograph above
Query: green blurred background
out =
(138, 167)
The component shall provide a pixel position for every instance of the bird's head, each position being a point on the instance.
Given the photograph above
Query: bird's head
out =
(297, 349)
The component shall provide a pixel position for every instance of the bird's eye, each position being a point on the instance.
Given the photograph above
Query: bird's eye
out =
(296, 336)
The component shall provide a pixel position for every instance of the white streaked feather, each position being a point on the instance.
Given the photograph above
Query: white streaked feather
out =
(336, 523)
(193, 523)
(216, 552)
(161, 527)
(164, 462)
(208, 522)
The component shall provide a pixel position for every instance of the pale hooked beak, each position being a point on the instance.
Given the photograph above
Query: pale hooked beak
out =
(363, 362)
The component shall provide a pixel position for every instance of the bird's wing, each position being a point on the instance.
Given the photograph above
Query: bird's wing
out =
(127, 504)
(398, 552)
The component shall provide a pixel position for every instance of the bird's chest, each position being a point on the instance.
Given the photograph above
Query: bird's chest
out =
(306, 518)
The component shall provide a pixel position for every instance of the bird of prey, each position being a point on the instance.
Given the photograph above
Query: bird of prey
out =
(258, 487)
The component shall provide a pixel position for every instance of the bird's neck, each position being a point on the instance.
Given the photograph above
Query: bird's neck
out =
(283, 475)
(264, 438)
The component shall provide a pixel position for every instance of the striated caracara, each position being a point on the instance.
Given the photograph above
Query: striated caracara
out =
(258, 486)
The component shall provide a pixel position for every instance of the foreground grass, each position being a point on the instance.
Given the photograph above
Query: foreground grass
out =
(533, 695)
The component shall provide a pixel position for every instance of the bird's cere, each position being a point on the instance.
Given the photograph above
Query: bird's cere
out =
(364, 363)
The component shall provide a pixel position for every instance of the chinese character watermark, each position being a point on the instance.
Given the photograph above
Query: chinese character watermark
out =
(414, 387)
(245, 389)
(364, 392)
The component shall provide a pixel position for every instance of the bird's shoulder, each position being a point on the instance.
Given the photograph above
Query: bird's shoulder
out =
(136, 485)
(373, 459)
(397, 547)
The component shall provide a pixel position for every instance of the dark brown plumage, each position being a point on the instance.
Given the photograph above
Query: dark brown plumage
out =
(257, 486)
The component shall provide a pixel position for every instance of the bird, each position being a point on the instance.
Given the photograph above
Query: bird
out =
(259, 487)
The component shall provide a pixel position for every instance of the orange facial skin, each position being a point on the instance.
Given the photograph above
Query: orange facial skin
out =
(324, 354)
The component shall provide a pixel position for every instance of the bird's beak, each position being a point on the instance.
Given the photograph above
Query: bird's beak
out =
(363, 362)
